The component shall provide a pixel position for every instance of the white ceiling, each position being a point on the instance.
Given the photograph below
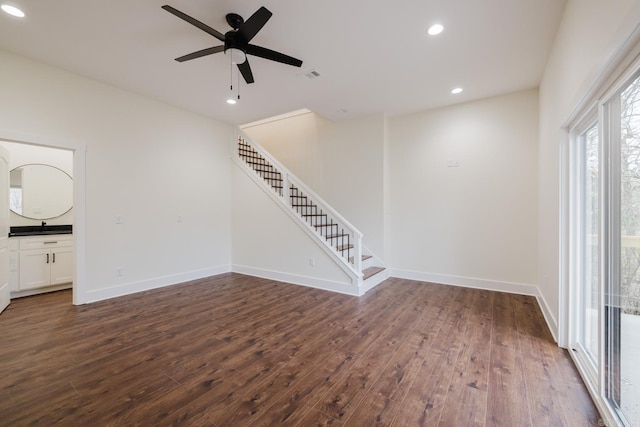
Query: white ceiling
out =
(373, 56)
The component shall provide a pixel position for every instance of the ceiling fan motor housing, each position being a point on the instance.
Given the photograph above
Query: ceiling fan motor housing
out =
(235, 45)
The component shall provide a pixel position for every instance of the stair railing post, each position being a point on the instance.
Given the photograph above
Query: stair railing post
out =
(286, 189)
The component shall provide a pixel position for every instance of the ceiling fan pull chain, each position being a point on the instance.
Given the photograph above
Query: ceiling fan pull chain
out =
(231, 72)
(238, 84)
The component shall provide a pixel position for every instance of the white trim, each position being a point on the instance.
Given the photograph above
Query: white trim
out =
(311, 282)
(79, 225)
(547, 313)
(467, 282)
(29, 292)
(148, 284)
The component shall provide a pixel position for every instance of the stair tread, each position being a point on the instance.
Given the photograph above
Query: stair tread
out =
(344, 247)
(368, 272)
(364, 258)
(334, 236)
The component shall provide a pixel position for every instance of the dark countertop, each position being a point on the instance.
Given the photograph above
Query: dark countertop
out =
(39, 230)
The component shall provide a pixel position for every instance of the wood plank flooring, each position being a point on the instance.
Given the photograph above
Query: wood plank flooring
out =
(234, 350)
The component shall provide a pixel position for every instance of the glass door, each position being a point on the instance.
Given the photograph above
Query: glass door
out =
(621, 257)
(588, 235)
(623, 299)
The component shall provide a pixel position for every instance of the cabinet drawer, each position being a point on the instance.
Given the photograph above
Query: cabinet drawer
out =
(47, 242)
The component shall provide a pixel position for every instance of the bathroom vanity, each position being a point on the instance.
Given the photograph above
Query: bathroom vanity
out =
(40, 255)
(40, 259)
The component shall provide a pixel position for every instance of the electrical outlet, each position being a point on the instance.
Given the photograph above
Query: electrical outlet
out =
(119, 271)
(119, 219)
(312, 262)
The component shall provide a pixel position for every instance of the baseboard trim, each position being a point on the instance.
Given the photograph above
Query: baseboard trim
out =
(30, 292)
(467, 282)
(311, 282)
(145, 285)
(552, 323)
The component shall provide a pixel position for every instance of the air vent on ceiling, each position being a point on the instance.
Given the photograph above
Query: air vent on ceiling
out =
(312, 74)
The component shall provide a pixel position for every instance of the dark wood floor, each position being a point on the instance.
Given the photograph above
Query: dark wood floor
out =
(234, 350)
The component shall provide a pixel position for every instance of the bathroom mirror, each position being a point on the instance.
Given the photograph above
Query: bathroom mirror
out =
(40, 191)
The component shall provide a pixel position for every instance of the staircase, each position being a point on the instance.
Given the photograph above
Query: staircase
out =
(343, 241)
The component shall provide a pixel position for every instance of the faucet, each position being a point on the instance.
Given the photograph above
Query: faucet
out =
(44, 223)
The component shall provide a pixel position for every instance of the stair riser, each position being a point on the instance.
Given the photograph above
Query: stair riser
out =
(369, 262)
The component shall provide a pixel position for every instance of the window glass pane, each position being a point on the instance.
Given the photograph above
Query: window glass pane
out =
(590, 242)
(15, 200)
(630, 252)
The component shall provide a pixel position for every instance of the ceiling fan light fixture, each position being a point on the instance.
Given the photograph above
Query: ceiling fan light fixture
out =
(237, 55)
(231, 101)
(435, 29)
(12, 10)
(456, 90)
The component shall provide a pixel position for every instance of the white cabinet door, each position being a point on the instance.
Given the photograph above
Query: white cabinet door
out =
(61, 266)
(34, 268)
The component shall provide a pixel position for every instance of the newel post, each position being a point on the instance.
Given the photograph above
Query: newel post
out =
(357, 256)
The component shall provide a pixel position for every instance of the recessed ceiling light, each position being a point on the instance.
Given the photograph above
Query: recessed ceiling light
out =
(342, 110)
(12, 10)
(456, 90)
(231, 101)
(435, 29)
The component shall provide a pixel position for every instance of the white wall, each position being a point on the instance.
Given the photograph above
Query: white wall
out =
(145, 161)
(475, 224)
(341, 161)
(590, 33)
(22, 154)
(268, 243)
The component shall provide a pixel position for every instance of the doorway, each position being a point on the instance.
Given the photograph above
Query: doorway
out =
(63, 161)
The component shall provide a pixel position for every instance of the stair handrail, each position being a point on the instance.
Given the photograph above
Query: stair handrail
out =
(290, 178)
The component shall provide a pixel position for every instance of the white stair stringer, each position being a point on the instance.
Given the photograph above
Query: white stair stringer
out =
(333, 233)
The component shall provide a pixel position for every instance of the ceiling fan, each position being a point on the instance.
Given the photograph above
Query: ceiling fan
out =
(236, 41)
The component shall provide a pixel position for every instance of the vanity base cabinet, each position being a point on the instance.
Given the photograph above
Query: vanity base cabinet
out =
(62, 266)
(45, 261)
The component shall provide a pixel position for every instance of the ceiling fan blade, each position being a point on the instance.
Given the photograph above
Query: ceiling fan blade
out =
(265, 53)
(194, 22)
(201, 53)
(251, 26)
(245, 70)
